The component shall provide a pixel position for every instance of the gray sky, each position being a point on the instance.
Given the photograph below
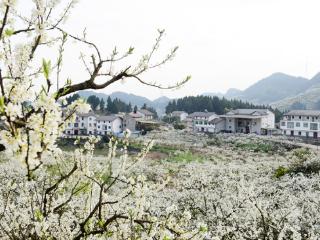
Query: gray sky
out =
(223, 43)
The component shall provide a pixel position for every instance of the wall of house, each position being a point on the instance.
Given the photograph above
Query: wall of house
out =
(116, 126)
(256, 125)
(129, 123)
(300, 127)
(230, 124)
(268, 121)
(220, 126)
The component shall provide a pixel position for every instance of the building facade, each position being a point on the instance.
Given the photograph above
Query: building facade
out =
(259, 121)
(204, 121)
(93, 124)
(304, 123)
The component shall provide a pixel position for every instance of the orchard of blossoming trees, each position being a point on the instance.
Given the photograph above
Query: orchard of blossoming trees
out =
(192, 188)
(46, 194)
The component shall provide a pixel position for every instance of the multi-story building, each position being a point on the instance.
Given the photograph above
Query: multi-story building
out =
(203, 121)
(303, 123)
(93, 124)
(257, 121)
(109, 124)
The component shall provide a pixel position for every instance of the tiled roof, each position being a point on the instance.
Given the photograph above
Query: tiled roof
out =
(90, 114)
(303, 113)
(216, 120)
(251, 112)
(145, 112)
(107, 118)
(202, 114)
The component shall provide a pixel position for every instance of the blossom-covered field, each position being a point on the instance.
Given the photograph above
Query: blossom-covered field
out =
(241, 187)
(193, 186)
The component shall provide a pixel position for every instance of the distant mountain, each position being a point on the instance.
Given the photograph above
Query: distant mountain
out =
(233, 93)
(309, 96)
(278, 90)
(274, 88)
(159, 104)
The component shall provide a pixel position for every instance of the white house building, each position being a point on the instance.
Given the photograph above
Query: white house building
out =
(181, 115)
(204, 121)
(303, 123)
(249, 121)
(92, 124)
(109, 124)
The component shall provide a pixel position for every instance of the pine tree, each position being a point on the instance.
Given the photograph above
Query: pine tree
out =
(102, 105)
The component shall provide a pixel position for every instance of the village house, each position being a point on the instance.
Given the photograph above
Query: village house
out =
(259, 121)
(181, 115)
(303, 123)
(205, 122)
(144, 114)
(93, 124)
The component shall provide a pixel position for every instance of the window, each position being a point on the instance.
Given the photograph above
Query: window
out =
(297, 124)
(290, 125)
(69, 125)
(68, 132)
(308, 117)
(313, 126)
(82, 118)
(307, 134)
(90, 125)
(89, 118)
(109, 127)
(99, 126)
(229, 120)
(305, 125)
(299, 117)
(76, 125)
(283, 124)
(284, 132)
(99, 121)
(299, 133)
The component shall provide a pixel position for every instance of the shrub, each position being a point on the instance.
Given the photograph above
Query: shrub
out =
(179, 126)
(281, 171)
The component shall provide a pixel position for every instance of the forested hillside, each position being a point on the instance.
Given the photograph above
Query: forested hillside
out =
(213, 104)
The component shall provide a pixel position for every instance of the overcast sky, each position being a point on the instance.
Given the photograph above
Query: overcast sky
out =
(223, 43)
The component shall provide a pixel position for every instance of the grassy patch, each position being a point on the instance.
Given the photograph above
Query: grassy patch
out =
(263, 147)
(185, 157)
(281, 171)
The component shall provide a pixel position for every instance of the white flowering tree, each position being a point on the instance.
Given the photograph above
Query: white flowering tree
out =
(48, 194)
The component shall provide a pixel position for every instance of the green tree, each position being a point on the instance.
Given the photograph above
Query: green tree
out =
(72, 98)
(102, 105)
(94, 102)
